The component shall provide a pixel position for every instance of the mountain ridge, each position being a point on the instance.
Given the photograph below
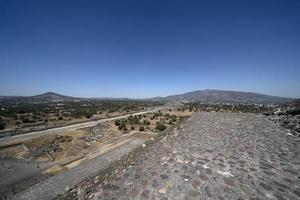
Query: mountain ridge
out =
(226, 96)
(205, 96)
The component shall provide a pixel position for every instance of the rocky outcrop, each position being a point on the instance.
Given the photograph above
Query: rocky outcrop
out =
(287, 116)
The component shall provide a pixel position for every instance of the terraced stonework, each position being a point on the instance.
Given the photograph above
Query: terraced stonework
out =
(214, 156)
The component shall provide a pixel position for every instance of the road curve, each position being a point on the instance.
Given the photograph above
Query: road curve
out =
(35, 134)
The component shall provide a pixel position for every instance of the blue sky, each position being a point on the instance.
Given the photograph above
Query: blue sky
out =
(139, 48)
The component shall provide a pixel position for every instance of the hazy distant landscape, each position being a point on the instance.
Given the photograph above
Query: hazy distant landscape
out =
(149, 100)
(206, 96)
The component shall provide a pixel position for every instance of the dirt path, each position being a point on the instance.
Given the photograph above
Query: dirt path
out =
(55, 185)
(27, 136)
(214, 156)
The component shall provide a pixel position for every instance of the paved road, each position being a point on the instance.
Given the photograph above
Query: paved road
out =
(55, 185)
(27, 136)
(214, 156)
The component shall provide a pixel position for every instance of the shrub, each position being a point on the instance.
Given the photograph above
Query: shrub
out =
(25, 120)
(2, 125)
(146, 122)
(88, 115)
(132, 127)
(142, 128)
(167, 115)
(160, 127)
(117, 122)
(121, 126)
(174, 118)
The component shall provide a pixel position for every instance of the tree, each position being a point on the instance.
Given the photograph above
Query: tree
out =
(25, 120)
(88, 115)
(117, 122)
(146, 122)
(174, 118)
(142, 128)
(121, 126)
(160, 127)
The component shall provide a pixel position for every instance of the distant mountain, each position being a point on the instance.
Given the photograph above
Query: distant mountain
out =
(52, 97)
(223, 96)
(205, 96)
(47, 97)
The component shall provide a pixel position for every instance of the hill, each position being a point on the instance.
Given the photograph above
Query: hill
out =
(47, 97)
(205, 96)
(223, 96)
(52, 97)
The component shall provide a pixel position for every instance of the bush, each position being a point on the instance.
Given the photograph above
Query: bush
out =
(174, 118)
(133, 119)
(160, 127)
(25, 120)
(117, 122)
(146, 122)
(142, 128)
(60, 118)
(132, 127)
(2, 125)
(167, 115)
(88, 115)
(121, 126)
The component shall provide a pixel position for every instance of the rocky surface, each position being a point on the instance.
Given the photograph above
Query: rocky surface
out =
(213, 156)
(288, 117)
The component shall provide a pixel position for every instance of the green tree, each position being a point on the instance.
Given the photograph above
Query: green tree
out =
(160, 127)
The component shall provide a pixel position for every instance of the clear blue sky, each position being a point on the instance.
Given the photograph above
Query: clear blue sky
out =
(140, 48)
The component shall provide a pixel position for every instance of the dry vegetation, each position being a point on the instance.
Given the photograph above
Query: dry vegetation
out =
(24, 117)
(75, 146)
